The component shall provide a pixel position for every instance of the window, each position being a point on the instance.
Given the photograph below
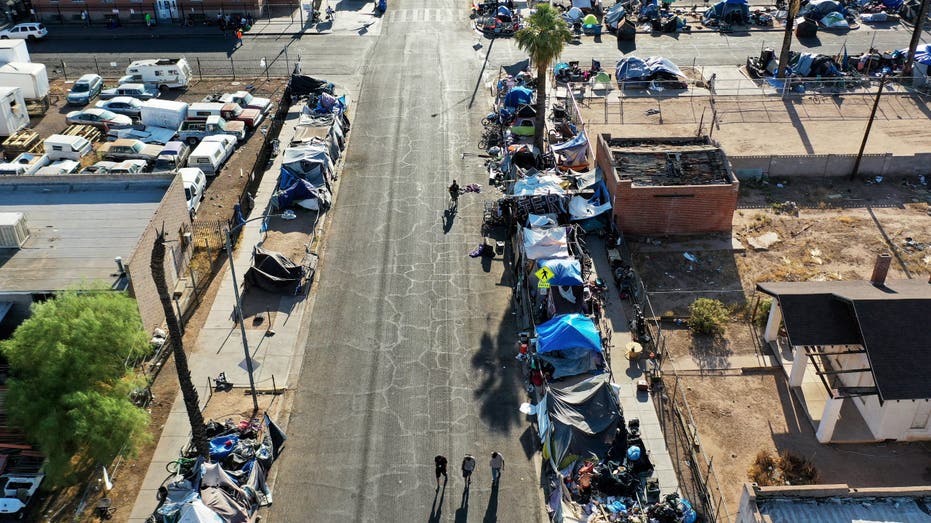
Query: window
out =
(158, 73)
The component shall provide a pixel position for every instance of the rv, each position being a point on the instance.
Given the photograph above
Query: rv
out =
(163, 73)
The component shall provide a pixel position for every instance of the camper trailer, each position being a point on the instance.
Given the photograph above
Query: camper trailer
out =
(13, 51)
(31, 78)
(162, 73)
(13, 114)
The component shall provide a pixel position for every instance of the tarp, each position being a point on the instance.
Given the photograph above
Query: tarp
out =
(574, 151)
(834, 20)
(584, 417)
(545, 243)
(631, 68)
(222, 495)
(922, 54)
(221, 446)
(304, 194)
(565, 299)
(818, 9)
(540, 183)
(582, 4)
(276, 435)
(274, 272)
(581, 209)
(504, 12)
(614, 15)
(566, 271)
(517, 96)
(573, 15)
(302, 85)
(197, 512)
(309, 161)
(256, 487)
(568, 331)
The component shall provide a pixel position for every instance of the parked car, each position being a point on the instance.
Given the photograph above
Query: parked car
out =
(99, 118)
(28, 31)
(101, 167)
(233, 112)
(195, 182)
(25, 163)
(247, 101)
(127, 149)
(192, 131)
(132, 90)
(125, 105)
(129, 167)
(85, 89)
(174, 156)
(17, 491)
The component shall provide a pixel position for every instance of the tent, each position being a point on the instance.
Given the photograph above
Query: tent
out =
(637, 72)
(539, 183)
(197, 512)
(274, 272)
(818, 9)
(582, 4)
(573, 15)
(566, 271)
(517, 96)
(573, 152)
(734, 12)
(310, 162)
(568, 331)
(545, 243)
(303, 194)
(578, 419)
(614, 16)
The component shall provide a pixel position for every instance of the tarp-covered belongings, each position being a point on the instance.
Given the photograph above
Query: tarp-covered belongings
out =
(637, 73)
(614, 16)
(810, 65)
(545, 243)
(569, 331)
(573, 15)
(573, 152)
(566, 271)
(818, 9)
(734, 12)
(303, 194)
(274, 272)
(834, 20)
(302, 85)
(519, 95)
(581, 209)
(582, 4)
(197, 512)
(579, 419)
(310, 162)
(222, 495)
(539, 183)
(565, 299)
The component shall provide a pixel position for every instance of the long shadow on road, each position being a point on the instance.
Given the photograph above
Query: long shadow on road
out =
(499, 392)
(491, 512)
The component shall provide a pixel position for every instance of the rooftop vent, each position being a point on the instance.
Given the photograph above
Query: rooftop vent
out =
(13, 230)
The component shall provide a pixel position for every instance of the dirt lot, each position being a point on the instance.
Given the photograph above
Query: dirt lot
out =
(738, 416)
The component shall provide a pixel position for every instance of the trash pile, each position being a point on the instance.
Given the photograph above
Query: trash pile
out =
(231, 486)
(496, 18)
(827, 69)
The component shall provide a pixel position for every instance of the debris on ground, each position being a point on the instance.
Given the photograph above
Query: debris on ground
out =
(786, 207)
(763, 241)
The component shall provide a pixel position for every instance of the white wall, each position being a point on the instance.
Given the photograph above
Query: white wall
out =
(897, 420)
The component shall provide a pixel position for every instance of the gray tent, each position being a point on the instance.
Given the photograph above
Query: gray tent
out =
(579, 418)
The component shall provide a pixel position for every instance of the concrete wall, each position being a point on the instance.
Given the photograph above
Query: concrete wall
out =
(835, 164)
(748, 510)
(173, 216)
(897, 417)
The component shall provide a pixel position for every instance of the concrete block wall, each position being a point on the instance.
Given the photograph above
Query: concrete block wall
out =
(172, 214)
(787, 166)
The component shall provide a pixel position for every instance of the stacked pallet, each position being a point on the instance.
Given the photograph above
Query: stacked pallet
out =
(90, 133)
(23, 141)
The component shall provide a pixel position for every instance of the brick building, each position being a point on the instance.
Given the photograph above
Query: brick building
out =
(92, 230)
(102, 12)
(668, 186)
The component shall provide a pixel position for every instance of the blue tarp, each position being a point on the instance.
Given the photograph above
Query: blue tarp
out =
(568, 331)
(301, 190)
(518, 96)
(566, 271)
(893, 5)
(315, 177)
(615, 14)
(631, 68)
(922, 54)
(221, 446)
(504, 12)
(730, 11)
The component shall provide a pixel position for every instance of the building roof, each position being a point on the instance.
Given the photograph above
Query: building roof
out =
(75, 231)
(888, 320)
(835, 504)
(668, 161)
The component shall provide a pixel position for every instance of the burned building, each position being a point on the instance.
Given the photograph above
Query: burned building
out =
(662, 186)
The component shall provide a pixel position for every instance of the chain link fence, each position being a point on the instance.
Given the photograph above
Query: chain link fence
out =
(280, 66)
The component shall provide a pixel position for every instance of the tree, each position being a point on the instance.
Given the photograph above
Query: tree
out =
(70, 387)
(787, 38)
(188, 392)
(916, 37)
(543, 38)
(707, 316)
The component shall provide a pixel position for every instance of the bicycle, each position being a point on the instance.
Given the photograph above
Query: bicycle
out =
(180, 465)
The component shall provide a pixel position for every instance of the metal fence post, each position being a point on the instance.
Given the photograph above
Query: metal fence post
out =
(96, 65)
(232, 68)
(64, 71)
(200, 71)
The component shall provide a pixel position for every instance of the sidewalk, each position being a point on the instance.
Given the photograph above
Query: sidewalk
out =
(219, 343)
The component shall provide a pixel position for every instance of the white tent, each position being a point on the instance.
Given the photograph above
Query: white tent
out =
(197, 512)
(545, 243)
(539, 183)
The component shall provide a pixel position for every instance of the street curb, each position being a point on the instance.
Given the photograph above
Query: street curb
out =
(150, 36)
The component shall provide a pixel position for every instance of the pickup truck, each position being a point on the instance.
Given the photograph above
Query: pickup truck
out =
(126, 149)
(25, 163)
(247, 101)
(234, 112)
(193, 131)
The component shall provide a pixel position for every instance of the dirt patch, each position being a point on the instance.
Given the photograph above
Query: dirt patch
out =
(738, 416)
(709, 352)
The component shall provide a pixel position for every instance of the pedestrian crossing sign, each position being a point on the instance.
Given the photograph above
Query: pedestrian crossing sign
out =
(544, 275)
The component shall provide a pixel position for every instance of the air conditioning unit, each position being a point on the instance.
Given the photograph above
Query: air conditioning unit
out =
(13, 230)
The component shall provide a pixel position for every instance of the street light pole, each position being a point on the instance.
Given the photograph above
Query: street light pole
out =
(239, 315)
(869, 125)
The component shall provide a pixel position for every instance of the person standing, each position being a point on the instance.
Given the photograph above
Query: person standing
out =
(239, 37)
(148, 21)
(497, 465)
(85, 18)
(440, 462)
(329, 13)
(468, 465)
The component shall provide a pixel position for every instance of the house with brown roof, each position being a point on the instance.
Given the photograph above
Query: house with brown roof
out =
(857, 353)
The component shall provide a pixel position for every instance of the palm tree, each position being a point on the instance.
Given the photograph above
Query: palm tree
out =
(787, 39)
(188, 392)
(543, 38)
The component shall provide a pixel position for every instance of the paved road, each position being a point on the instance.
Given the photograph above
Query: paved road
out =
(410, 351)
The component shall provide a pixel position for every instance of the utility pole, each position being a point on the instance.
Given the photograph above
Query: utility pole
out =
(787, 38)
(916, 37)
(869, 125)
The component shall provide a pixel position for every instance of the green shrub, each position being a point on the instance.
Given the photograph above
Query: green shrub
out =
(707, 316)
(762, 312)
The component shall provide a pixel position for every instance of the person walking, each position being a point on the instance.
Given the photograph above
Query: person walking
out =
(239, 37)
(440, 462)
(85, 18)
(497, 465)
(468, 465)
(148, 21)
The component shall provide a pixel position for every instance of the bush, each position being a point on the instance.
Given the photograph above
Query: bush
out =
(707, 316)
(762, 312)
(787, 469)
(763, 470)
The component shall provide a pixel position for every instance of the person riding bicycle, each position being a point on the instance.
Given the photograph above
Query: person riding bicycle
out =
(454, 191)
(329, 13)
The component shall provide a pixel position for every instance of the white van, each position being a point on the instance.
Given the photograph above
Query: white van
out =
(194, 185)
(64, 147)
(212, 153)
(203, 110)
(163, 73)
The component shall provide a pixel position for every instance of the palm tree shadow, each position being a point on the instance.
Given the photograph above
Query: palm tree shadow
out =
(491, 512)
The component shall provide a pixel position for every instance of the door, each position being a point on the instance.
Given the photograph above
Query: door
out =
(167, 10)
(922, 416)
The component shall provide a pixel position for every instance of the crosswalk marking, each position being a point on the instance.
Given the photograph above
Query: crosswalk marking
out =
(421, 15)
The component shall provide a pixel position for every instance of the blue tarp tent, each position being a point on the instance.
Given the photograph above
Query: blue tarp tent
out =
(568, 331)
(301, 191)
(566, 271)
(504, 13)
(614, 16)
(572, 152)
(518, 96)
(729, 11)
(818, 9)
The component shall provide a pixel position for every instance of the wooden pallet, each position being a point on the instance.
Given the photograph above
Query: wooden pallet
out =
(23, 141)
(88, 132)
